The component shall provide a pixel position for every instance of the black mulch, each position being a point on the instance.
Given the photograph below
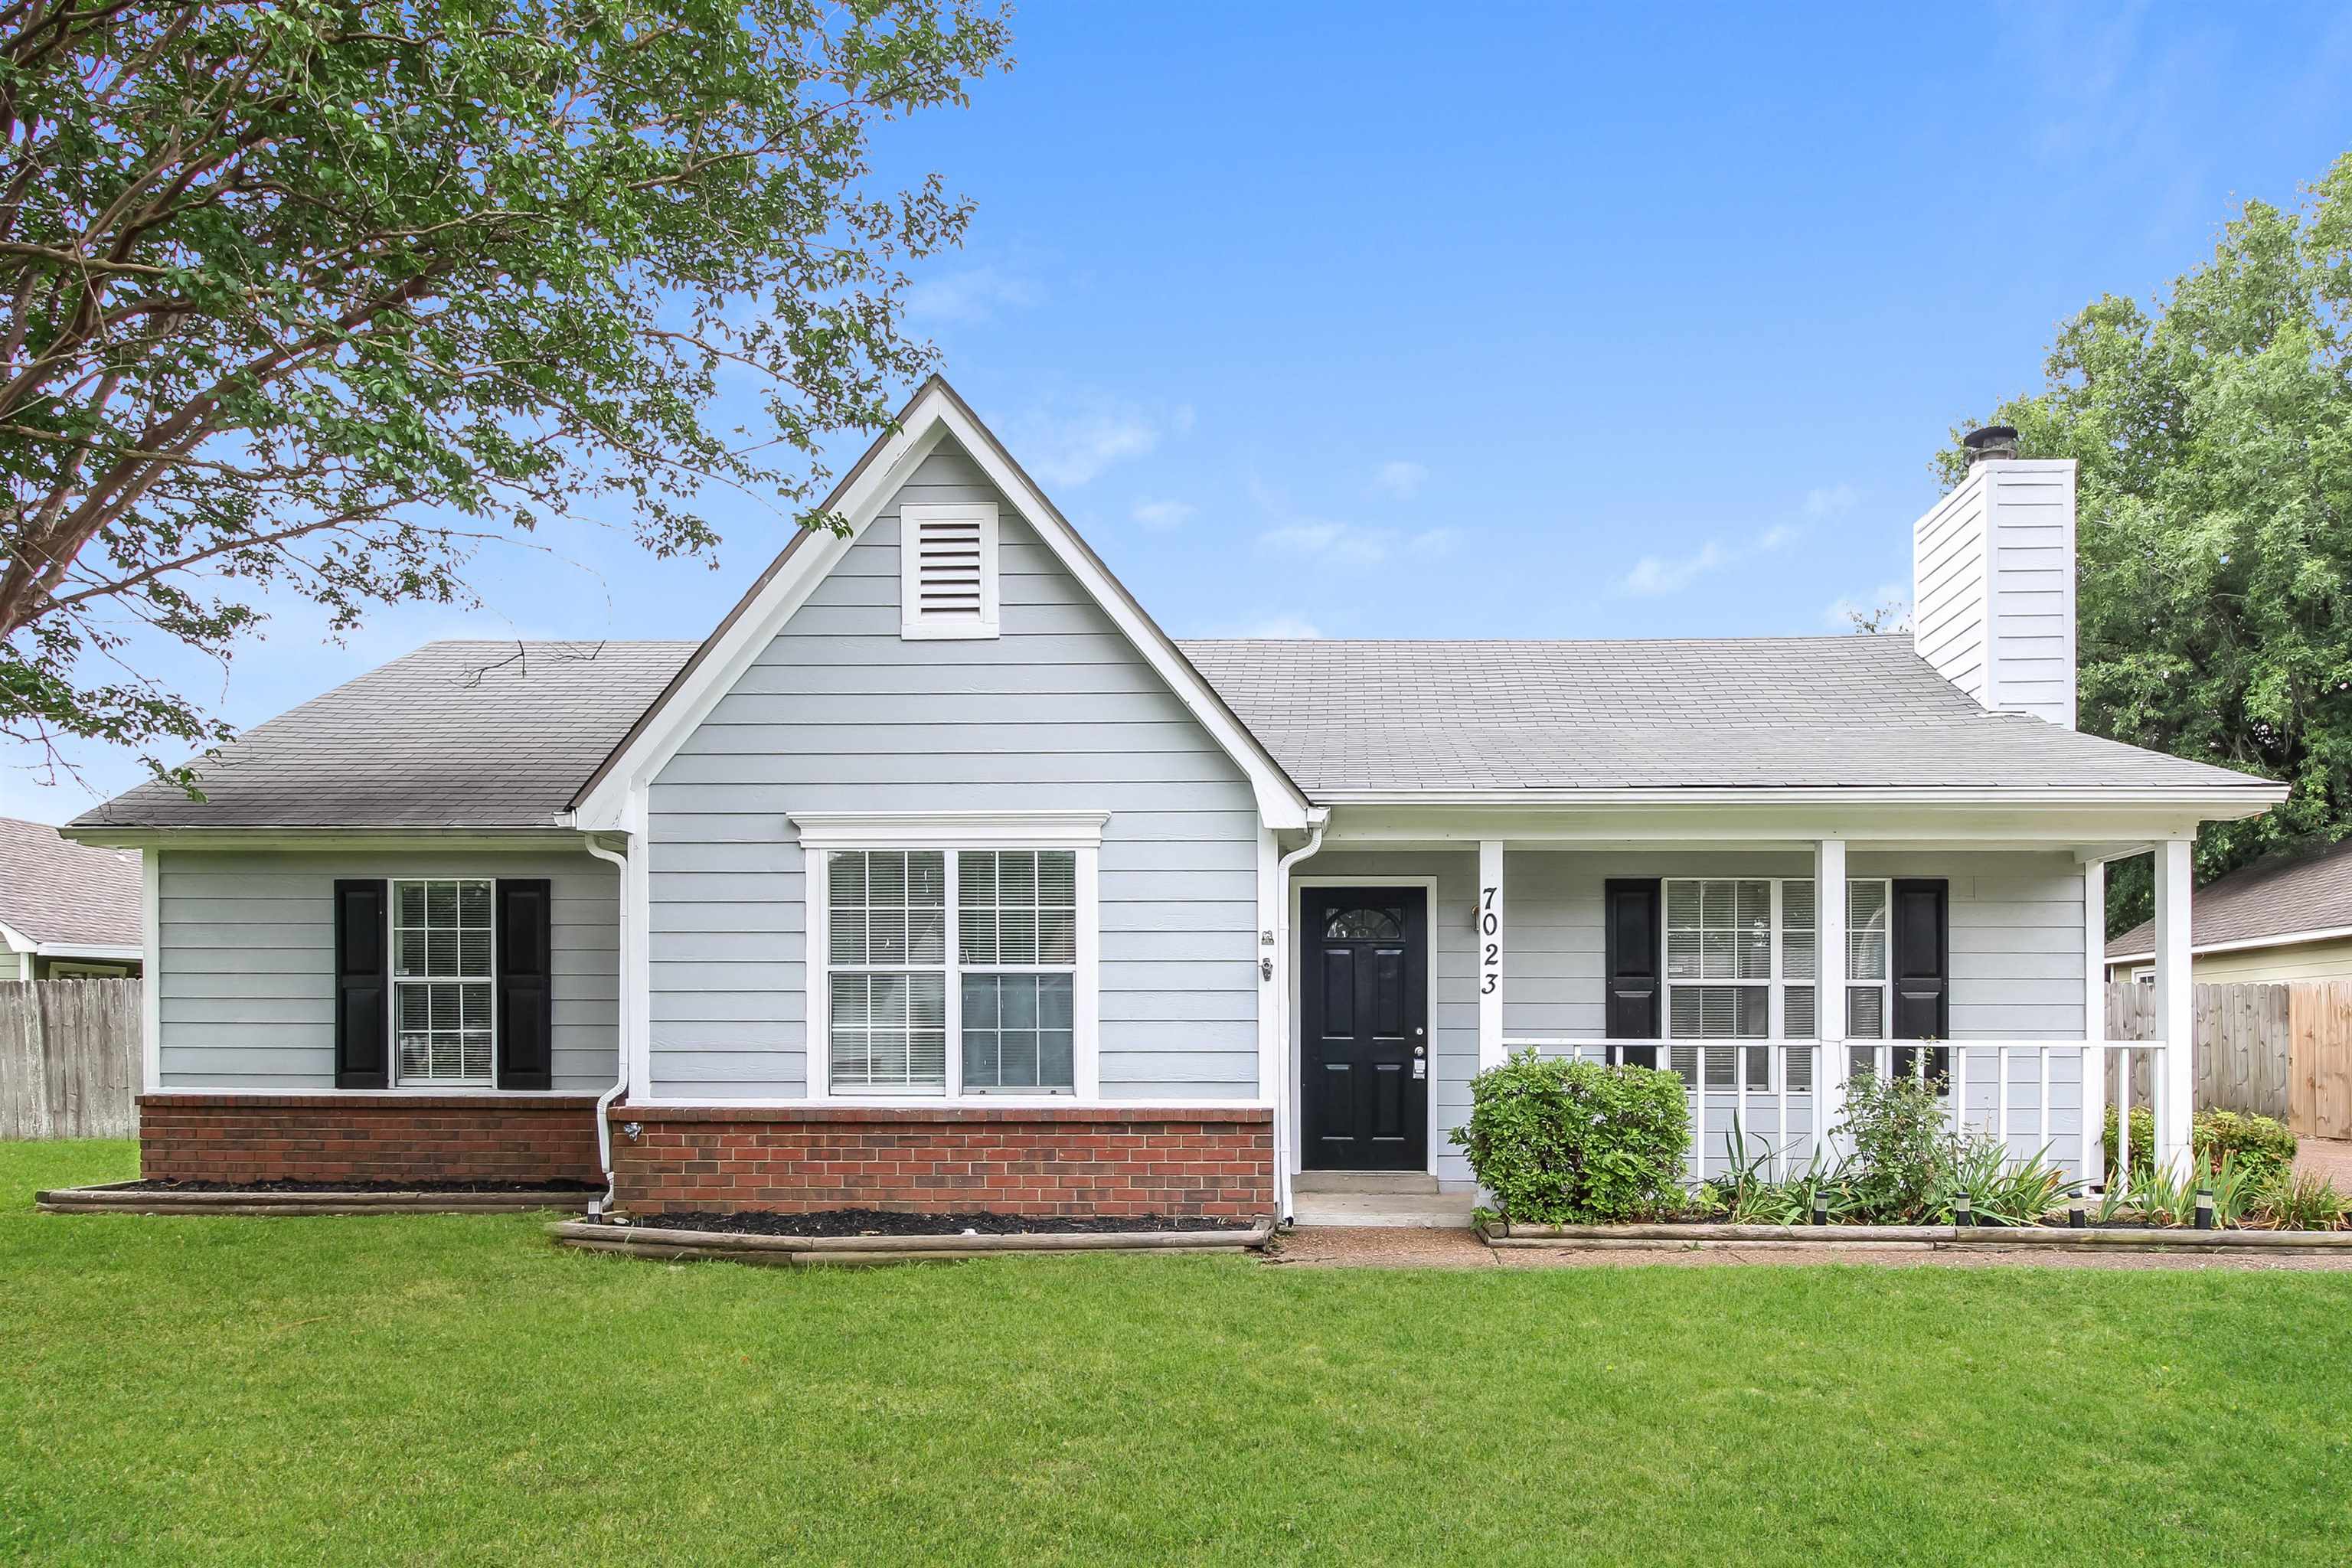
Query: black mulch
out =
(295, 1186)
(877, 1222)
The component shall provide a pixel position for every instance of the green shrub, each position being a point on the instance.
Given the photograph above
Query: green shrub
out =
(1896, 1128)
(2307, 1201)
(1575, 1143)
(2263, 1147)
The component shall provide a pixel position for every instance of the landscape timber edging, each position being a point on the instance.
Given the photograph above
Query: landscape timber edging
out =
(822, 1251)
(1672, 1237)
(127, 1197)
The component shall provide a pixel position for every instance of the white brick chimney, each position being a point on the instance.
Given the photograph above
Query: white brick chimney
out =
(1992, 581)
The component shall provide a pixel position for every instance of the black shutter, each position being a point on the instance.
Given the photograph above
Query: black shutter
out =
(361, 1023)
(526, 1020)
(1633, 968)
(1920, 920)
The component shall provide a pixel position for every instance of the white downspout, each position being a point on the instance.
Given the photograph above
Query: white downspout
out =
(597, 1210)
(1317, 820)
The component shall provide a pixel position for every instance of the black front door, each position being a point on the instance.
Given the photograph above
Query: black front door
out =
(1364, 1029)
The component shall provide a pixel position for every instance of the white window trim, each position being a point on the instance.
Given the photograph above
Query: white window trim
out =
(1776, 982)
(913, 627)
(824, 834)
(392, 982)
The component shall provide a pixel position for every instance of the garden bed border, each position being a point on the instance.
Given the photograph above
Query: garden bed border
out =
(1674, 1237)
(129, 1197)
(852, 1251)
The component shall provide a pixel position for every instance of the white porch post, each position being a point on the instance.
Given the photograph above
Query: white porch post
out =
(2174, 1003)
(1829, 997)
(2094, 1021)
(1490, 953)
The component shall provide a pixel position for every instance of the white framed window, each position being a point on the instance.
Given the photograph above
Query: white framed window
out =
(952, 957)
(947, 569)
(444, 983)
(1742, 963)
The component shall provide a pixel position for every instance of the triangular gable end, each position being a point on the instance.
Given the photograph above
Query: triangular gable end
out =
(612, 798)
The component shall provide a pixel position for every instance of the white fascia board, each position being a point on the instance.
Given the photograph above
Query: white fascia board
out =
(2253, 799)
(2244, 945)
(808, 559)
(933, 414)
(325, 837)
(110, 952)
(17, 940)
(949, 829)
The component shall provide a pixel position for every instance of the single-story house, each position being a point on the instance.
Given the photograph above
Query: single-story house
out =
(2287, 918)
(68, 911)
(939, 876)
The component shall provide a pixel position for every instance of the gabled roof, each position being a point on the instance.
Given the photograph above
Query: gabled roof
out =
(455, 735)
(1819, 712)
(56, 893)
(934, 414)
(2296, 897)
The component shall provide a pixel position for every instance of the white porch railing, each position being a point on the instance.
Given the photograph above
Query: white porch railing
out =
(1779, 1102)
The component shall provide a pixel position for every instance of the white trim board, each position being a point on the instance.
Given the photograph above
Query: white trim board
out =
(936, 413)
(1294, 1099)
(949, 829)
(2245, 944)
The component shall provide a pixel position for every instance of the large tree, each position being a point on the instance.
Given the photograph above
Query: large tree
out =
(2214, 434)
(312, 298)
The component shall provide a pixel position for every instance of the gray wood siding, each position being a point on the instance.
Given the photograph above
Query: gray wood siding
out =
(1060, 713)
(246, 984)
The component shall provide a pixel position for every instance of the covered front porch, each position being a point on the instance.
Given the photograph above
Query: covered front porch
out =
(1766, 956)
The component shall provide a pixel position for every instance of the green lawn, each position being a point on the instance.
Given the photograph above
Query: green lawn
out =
(454, 1390)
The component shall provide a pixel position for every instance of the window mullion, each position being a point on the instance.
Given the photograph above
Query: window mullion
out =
(951, 955)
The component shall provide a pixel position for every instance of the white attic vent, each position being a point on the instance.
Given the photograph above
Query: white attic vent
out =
(947, 569)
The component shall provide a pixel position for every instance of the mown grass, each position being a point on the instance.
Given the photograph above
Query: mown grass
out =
(435, 1390)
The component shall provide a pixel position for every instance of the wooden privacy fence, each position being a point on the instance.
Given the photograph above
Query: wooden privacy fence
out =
(69, 1059)
(2284, 1050)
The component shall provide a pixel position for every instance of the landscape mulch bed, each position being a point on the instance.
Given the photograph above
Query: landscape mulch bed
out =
(330, 1188)
(878, 1222)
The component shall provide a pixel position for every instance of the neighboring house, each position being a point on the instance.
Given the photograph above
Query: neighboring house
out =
(67, 910)
(2283, 919)
(939, 876)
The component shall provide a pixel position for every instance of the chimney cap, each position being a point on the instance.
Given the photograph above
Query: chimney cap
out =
(1991, 441)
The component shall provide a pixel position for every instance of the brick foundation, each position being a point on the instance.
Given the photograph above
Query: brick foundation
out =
(1080, 1161)
(359, 1137)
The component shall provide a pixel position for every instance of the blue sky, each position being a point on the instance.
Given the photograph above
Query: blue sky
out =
(1533, 321)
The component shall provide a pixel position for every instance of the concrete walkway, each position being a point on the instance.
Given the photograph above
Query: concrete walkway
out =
(2327, 1157)
(1365, 1247)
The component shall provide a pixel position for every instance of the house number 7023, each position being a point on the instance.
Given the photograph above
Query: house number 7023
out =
(1490, 941)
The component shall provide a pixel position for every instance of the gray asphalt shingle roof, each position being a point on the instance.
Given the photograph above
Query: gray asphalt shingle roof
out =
(2310, 891)
(1763, 712)
(54, 890)
(501, 734)
(457, 734)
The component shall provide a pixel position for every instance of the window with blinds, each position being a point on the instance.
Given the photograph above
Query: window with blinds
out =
(1743, 964)
(947, 569)
(443, 984)
(973, 949)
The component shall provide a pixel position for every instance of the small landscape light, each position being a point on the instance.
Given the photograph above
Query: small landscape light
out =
(2204, 1209)
(1962, 1214)
(2078, 1215)
(1820, 1208)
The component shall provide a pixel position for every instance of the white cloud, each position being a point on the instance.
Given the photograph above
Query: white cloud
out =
(1839, 614)
(1160, 516)
(1290, 627)
(1829, 500)
(1400, 478)
(973, 294)
(1656, 574)
(1328, 541)
(1073, 442)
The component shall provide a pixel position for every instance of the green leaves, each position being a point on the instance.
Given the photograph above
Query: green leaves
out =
(315, 299)
(2214, 439)
(1563, 1142)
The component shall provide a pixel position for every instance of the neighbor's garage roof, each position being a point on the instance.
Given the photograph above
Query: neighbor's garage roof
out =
(54, 892)
(1445, 718)
(457, 734)
(2311, 892)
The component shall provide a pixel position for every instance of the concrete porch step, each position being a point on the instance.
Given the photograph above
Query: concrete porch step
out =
(1361, 1182)
(1416, 1211)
